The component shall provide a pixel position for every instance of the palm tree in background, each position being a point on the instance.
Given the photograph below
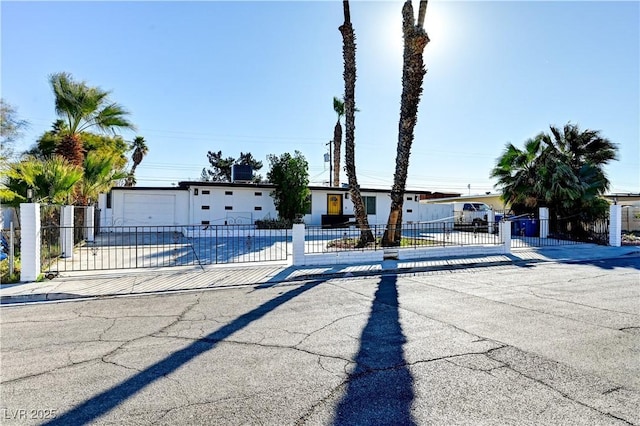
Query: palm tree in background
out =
(82, 108)
(338, 107)
(99, 176)
(517, 173)
(349, 74)
(140, 150)
(563, 170)
(413, 71)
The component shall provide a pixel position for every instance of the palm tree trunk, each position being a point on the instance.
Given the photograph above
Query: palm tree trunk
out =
(337, 152)
(71, 148)
(413, 71)
(349, 56)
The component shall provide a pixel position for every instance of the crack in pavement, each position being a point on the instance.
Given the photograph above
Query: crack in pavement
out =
(525, 308)
(565, 395)
(103, 357)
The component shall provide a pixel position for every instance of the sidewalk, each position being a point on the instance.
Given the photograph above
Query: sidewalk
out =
(148, 281)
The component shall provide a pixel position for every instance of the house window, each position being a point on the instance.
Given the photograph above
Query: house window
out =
(205, 207)
(195, 191)
(205, 222)
(308, 210)
(228, 192)
(228, 207)
(409, 198)
(109, 199)
(205, 192)
(409, 210)
(258, 194)
(257, 208)
(369, 204)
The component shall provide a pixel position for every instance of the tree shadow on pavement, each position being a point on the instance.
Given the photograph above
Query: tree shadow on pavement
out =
(380, 388)
(104, 402)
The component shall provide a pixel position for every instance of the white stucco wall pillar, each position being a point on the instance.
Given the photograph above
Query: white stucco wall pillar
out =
(298, 244)
(491, 220)
(66, 231)
(89, 223)
(543, 215)
(615, 225)
(30, 242)
(505, 235)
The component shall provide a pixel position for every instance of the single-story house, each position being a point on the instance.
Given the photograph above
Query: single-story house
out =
(219, 203)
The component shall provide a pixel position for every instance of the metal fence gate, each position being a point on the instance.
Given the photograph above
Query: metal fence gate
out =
(530, 231)
(126, 247)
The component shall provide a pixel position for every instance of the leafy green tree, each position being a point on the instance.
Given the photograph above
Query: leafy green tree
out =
(82, 108)
(11, 128)
(413, 71)
(349, 74)
(290, 175)
(220, 170)
(562, 170)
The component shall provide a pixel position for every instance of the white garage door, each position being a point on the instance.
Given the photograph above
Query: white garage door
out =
(147, 209)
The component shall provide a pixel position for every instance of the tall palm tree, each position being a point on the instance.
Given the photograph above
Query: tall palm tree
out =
(83, 108)
(338, 107)
(140, 150)
(413, 71)
(349, 74)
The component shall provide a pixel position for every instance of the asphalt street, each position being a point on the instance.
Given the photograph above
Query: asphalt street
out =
(535, 344)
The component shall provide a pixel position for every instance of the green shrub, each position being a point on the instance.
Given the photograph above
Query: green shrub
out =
(274, 224)
(5, 278)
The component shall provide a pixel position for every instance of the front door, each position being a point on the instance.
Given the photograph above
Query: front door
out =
(334, 204)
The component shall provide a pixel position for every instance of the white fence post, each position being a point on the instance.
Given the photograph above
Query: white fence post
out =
(491, 220)
(543, 215)
(66, 231)
(89, 223)
(30, 242)
(298, 244)
(505, 235)
(615, 225)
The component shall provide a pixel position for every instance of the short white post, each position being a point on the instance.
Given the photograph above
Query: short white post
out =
(491, 219)
(543, 215)
(298, 244)
(30, 242)
(505, 235)
(615, 225)
(89, 223)
(66, 231)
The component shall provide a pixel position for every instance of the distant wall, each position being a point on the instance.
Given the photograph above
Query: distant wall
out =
(630, 218)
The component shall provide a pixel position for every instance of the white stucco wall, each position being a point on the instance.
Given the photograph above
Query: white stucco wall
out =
(230, 205)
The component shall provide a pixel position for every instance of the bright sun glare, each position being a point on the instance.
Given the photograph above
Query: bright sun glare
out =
(435, 25)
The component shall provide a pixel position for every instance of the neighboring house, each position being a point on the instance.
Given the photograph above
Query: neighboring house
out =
(218, 203)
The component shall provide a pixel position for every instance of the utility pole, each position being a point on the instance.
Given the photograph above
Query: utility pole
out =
(330, 162)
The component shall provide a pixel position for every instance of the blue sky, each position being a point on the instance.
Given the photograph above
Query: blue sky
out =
(260, 77)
